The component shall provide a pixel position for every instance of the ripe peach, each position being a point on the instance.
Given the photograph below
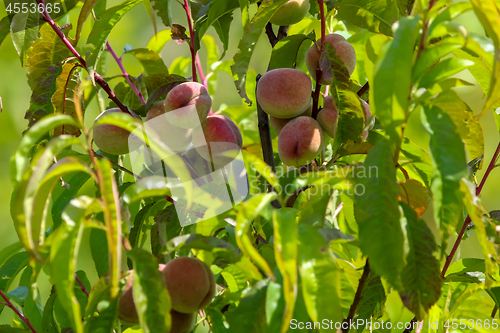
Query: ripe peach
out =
(328, 117)
(290, 13)
(344, 50)
(190, 283)
(175, 137)
(220, 140)
(182, 322)
(300, 141)
(112, 139)
(188, 94)
(126, 306)
(279, 123)
(284, 92)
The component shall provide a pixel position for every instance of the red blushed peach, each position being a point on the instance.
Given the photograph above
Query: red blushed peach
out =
(112, 139)
(344, 50)
(290, 13)
(219, 142)
(190, 283)
(284, 92)
(328, 117)
(175, 137)
(300, 141)
(278, 123)
(184, 95)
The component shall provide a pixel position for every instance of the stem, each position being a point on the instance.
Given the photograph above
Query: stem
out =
(424, 31)
(125, 74)
(98, 79)
(191, 39)
(200, 70)
(323, 24)
(317, 90)
(10, 305)
(81, 285)
(118, 166)
(363, 89)
(358, 295)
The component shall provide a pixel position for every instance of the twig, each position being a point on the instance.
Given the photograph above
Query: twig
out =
(291, 200)
(118, 166)
(357, 296)
(85, 291)
(191, 39)
(317, 90)
(424, 30)
(363, 89)
(125, 74)
(98, 79)
(10, 305)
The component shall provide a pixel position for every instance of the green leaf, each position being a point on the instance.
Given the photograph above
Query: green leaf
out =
(222, 27)
(375, 16)
(11, 268)
(103, 27)
(150, 293)
(99, 250)
(373, 299)
(430, 56)
(448, 159)
(44, 66)
(352, 115)
(63, 255)
(320, 276)
(87, 7)
(20, 160)
(150, 61)
(216, 10)
(249, 316)
(444, 69)
(159, 40)
(9, 251)
(4, 28)
(164, 11)
(285, 251)
(421, 276)
(62, 195)
(378, 215)
(111, 208)
(450, 13)
(247, 44)
(419, 159)
(469, 130)
(290, 51)
(63, 101)
(247, 213)
(48, 321)
(24, 31)
(104, 322)
(390, 89)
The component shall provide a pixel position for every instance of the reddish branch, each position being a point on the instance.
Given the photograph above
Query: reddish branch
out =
(357, 296)
(98, 79)
(125, 74)
(23, 318)
(317, 90)
(191, 39)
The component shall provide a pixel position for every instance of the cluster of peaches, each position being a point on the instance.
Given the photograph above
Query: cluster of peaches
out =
(285, 95)
(191, 286)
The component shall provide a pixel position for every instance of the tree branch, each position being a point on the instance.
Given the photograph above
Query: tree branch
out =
(98, 79)
(357, 296)
(23, 318)
(125, 74)
(191, 39)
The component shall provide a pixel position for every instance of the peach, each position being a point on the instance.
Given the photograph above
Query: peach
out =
(126, 305)
(110, 138)
(188, 94)
(279, 123)
(190, 283)
(182, 322)
(284, 92)
(290, 13)
(344, 50)
(328, 117)
(175, 137)
(300, 141)
(219, 141)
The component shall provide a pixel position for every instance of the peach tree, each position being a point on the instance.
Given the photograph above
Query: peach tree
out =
(303, 208)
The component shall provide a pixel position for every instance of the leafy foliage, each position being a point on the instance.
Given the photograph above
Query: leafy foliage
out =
(348, 237)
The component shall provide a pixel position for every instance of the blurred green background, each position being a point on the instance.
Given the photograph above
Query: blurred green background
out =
(136, 29)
